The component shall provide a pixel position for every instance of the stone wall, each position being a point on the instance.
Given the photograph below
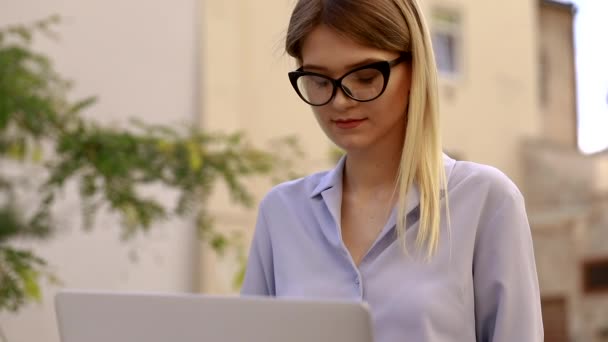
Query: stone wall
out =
(556, 176)
(568, 210)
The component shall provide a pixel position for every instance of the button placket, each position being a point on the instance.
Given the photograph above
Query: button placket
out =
(359, 282)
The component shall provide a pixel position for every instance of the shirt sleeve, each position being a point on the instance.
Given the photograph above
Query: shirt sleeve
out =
(507, 296)
(259, 275)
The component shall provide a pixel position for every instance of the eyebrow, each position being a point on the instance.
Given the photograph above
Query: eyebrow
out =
(347, 67)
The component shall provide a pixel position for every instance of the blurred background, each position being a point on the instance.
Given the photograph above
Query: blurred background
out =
(523, 86)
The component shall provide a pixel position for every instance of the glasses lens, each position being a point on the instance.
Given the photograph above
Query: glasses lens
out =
(315, 89)
(364, 85)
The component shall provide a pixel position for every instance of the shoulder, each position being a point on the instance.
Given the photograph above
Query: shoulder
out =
(483, 182)
(292, 192)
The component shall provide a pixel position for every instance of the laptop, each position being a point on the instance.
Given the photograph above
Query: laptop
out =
(85, 316)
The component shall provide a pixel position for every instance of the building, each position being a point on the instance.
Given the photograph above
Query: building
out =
(567, 194)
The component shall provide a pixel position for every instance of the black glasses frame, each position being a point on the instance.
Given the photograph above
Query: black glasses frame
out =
(383, 66)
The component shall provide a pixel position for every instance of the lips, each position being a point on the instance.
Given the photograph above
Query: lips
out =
(348, 123)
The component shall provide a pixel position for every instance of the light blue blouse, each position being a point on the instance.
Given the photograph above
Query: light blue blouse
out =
(480, 286)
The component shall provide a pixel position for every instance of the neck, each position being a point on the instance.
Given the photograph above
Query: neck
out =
(372, 173)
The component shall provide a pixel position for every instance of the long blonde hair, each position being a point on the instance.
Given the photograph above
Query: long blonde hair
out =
(393, 25)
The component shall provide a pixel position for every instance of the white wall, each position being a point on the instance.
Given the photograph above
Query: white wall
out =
(140, 58)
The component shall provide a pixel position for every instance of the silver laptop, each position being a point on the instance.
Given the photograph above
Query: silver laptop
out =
(129, 317)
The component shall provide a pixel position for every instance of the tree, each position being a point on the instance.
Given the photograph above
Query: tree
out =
(39, 126)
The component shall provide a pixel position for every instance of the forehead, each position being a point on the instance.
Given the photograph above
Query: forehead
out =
(333, 51)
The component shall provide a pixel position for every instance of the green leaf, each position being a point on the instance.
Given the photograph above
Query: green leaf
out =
(31, 286)
(219, 243)
(16, 150)
(81, 105)
(195, 159)
(239, 277)
(37, 153)
(165, 146)
(23, 32)
(130, 216)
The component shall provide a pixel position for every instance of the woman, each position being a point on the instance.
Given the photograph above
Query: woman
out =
(378, 227)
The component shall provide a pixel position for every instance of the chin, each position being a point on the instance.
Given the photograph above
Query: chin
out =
(351, 145)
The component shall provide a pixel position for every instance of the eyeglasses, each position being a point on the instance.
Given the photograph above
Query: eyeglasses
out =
(363, 84)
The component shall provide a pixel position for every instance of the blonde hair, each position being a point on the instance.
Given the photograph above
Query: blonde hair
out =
(394, 25)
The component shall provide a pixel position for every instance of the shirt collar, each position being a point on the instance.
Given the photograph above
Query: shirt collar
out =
(330, 179)
(334, 178)
(330, 189)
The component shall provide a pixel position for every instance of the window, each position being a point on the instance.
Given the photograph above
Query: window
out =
(447, 42)
(555, 319)
(595, 275)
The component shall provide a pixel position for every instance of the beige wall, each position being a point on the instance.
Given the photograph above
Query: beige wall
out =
(245, 87)
(244, 74)
(140, 58)
(556, 44)
(601, 173)
(561, 244)
(493, 104)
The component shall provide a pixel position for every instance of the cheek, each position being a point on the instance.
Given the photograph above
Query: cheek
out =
(400, 90)
(395, 103)
(320, 112)
(398, 97)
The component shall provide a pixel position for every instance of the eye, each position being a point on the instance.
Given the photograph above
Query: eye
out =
(367, 80)
(320, 82)
(365, 77)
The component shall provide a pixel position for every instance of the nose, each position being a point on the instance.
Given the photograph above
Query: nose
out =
(341, 101)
